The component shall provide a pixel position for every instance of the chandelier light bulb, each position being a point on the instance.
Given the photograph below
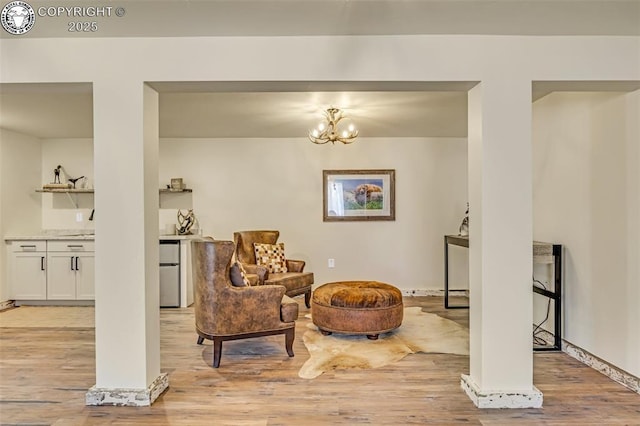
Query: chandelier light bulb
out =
(321, 127)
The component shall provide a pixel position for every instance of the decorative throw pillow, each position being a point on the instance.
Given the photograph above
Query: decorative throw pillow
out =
(271, 256)
(238, 275)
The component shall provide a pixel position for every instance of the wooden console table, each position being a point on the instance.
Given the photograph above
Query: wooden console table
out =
(455, 240)
(546, 253)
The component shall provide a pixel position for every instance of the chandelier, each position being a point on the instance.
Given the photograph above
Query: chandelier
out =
(328, 132)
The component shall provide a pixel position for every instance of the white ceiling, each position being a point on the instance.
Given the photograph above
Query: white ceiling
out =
(281, 109)
(272, 110)
(265, 109)
(63, 110)
(290, 109)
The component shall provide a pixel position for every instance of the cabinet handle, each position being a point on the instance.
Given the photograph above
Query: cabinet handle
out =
(74, 246)
(71, 259)
(28, 246)
(77, 269)
(42, 263)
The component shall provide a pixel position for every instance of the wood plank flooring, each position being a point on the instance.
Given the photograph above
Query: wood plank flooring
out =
(45, 373)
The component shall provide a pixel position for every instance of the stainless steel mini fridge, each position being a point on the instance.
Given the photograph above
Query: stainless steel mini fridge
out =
(169, 274)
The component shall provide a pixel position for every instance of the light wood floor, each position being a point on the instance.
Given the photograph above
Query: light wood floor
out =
(45, 373)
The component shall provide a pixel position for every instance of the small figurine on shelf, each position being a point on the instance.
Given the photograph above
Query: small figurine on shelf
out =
(463, 231)
(56, 174)
(57, 184)
(74, 180)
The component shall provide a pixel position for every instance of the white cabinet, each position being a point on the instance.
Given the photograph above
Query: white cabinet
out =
(70, 271)
(60, 277)
(85, 276)
(28, 270)
(52, 270)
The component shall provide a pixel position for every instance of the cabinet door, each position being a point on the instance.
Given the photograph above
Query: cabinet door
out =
(28, 276)
(61, 276)
(85, 276)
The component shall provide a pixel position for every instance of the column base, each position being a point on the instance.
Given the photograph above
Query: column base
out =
(531, 399)
(6, 305)
(128, 397)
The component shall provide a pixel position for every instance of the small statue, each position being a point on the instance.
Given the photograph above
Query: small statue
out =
(56, 174)
(186, 222)
(74, 180)
(463, 231)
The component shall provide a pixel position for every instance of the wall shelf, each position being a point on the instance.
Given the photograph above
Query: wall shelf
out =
(66, 191)
(70, 191)
(91, 191)
(175, 198)
(174, 191)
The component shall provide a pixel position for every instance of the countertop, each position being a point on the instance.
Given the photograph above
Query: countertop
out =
(82, 237)
(179, 237)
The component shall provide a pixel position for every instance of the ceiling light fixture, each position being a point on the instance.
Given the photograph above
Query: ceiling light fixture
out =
(328, 132)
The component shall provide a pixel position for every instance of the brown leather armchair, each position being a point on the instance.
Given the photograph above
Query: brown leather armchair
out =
(295, 280)
(225, 312)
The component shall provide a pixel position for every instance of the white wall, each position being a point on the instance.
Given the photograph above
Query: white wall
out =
(277, 184)
(19, 178)
(586, 197)
(241, 184)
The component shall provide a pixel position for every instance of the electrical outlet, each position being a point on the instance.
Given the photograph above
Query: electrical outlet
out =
(79, 217)
(331, 263)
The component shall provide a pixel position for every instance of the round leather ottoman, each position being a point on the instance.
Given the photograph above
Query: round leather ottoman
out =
(356, 307)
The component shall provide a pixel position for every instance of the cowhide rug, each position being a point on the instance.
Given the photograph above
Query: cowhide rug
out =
(419, 332)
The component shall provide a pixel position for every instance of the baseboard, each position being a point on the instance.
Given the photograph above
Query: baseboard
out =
(616, 374)
(434, 292)
(54, 303)
(7, 304)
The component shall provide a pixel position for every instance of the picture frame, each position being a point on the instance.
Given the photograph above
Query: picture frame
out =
(358, 195)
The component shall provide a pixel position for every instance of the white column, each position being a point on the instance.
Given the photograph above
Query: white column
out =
(500, 256)
(126, 216)
(632, 130)
(4, 285)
